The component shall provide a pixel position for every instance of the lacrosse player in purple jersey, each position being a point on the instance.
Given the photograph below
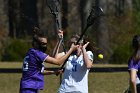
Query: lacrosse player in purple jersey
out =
(33, 69)
(134, 66)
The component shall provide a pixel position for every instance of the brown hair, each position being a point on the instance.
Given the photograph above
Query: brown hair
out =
(91, 46)
(37, 33)
(136, 46)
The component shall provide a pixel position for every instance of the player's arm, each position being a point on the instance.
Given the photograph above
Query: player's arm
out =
(61, 60)
(59, 55)
(133, 74)
(88, 62)
(57, 47)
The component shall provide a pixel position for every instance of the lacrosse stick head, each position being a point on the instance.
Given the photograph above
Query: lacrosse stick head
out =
(100, 12)
(54, 6)
(94, 14)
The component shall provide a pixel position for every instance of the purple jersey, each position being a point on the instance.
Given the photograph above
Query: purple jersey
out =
(136, 66)
(32, 65)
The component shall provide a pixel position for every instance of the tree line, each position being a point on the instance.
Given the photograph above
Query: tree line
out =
(111, 32)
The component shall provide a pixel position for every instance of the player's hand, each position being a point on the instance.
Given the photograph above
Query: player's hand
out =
(74, 47)
(58, 72)
(85, 45)
(60, 34)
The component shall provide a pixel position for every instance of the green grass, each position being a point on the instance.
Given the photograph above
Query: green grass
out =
(109, 82)
(98, 83)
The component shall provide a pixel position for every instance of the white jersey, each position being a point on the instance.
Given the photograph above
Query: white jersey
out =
(137, 80)
(75, 79)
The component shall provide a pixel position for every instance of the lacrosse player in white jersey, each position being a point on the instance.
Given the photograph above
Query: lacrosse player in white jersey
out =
(75, 78)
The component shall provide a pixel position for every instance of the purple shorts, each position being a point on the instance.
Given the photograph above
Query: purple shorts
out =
(29, 90)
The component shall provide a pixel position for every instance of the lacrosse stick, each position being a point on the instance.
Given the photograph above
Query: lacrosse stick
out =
(90, 20)
(54, 6)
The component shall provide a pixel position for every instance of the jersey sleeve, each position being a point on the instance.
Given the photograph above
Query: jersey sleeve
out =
(90, 55)
(133, 65)
(41, 56)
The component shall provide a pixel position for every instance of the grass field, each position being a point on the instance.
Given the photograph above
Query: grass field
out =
(109, 82)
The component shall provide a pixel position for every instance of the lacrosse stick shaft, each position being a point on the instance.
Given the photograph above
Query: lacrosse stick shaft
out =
(90, 20)
(81, 36)
(76, 43)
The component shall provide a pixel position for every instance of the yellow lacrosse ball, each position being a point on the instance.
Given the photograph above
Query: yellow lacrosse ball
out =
(100, 56)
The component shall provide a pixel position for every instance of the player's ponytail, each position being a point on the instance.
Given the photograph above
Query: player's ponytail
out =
(136, 46)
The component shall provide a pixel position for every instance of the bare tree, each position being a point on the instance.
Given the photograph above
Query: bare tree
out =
(102, 32)
(29, 17)
(64, 14)
(13, 14)
(3, 24)
(73, 16)
(85, 8)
